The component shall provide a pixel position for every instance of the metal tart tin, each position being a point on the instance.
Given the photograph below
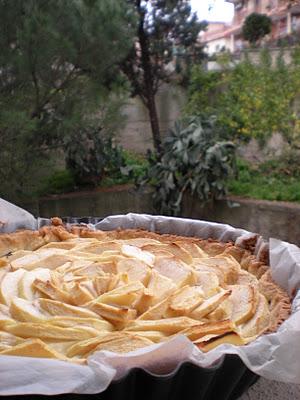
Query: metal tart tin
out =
(226, 381)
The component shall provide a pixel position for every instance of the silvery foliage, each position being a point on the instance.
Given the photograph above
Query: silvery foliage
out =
(195, 160)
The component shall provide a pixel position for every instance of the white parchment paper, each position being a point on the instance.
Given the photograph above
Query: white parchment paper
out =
(13, 218)
(275, 356)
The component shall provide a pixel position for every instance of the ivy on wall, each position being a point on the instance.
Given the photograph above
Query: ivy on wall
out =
(250, 99)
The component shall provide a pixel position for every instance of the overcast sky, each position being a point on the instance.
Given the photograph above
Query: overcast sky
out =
(221, 10)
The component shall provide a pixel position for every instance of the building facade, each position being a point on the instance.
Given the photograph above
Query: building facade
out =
(285, 16)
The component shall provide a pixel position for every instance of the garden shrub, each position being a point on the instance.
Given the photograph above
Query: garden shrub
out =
(250, 100)
(194, 159)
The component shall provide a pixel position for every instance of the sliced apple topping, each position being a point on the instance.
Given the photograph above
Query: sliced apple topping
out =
(124, 290)
(26, 288)
(9, 286)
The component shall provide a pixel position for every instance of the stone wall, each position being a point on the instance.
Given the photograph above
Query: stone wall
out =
(136, 136)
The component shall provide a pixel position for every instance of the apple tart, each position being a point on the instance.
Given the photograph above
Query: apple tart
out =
(67, 293)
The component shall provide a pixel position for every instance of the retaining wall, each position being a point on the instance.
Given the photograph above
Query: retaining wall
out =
(271, 219)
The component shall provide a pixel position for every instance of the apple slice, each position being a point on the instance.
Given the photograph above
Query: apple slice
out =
(86, 346)
(160, 287)
(183, 303)
(194, 250)
(26, 311)
(26, 288)
(259, 322)
(140, 242)
(123, 296)
(135, 252)
(46, 258)
(194, 333)
(18, 254)
(33, 348)
(97, 323)
(124, 344)
(168, 326)
(208, 281)
(210, 304)
(4, 312)
(135, 269)
(244, 300)
(229, 338)
(58, 308)
(173, 249)
(9, 286)
(49, 332)
(175, 270)
(101, 247)
(7, 341)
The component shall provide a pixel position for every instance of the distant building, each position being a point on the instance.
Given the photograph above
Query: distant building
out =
(217, 38)
(285, 16)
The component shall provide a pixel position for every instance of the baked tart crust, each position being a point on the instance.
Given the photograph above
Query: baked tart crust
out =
(68, 291)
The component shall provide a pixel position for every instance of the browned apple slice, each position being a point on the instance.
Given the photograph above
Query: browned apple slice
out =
(26, 288)
(51, 291)
(230, 338)
(244, 300)
(114, 314)
(240, 305)
(59, 308)
(210, 305)
(158, 311)
(259, 322)
(184, 302)
(168, 326)
(211, 328)
(80, 294)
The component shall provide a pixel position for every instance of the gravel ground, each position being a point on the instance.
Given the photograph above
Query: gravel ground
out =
(270, 390)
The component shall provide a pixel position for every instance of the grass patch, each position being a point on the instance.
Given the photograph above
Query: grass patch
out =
(277, 179)
(273, 180)
(62, 181)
